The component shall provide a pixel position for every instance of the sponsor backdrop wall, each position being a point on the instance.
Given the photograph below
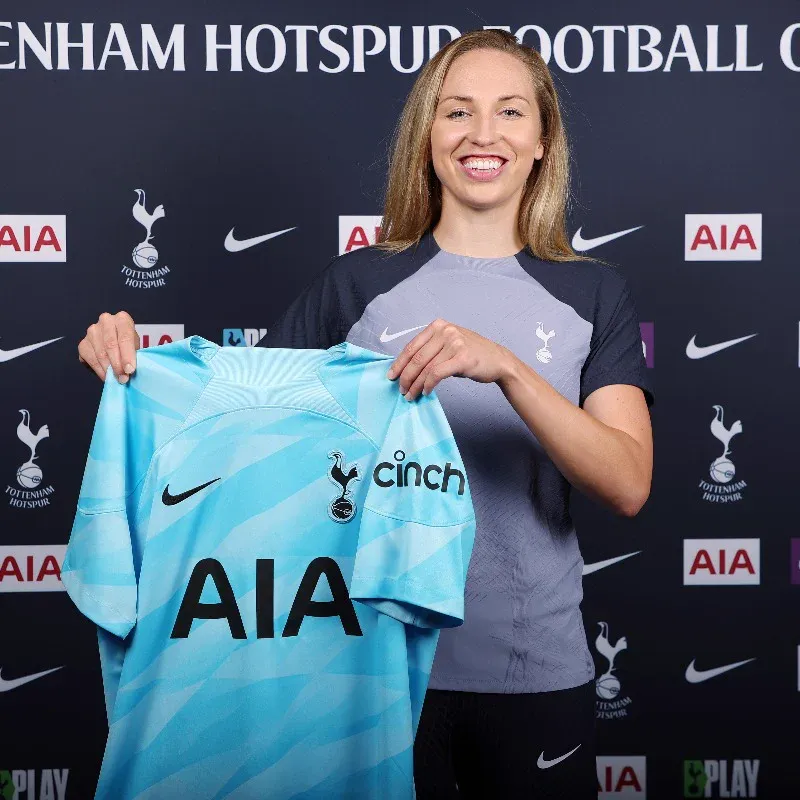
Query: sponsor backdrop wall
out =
(197, 163)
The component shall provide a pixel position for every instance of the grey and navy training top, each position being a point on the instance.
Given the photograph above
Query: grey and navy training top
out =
(575, 323)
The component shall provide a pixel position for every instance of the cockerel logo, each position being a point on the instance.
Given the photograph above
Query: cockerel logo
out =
(29, 475)
(607, 684)
(722, 469)
(342, 508)
(145, 256)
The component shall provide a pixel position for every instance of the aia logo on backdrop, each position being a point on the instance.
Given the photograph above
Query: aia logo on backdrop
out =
(242, 337)
(154, 335)
(622, 776)
(33, 237)
(29, 489)
(725, 778)
(722, 237)
(723, 488)
(32, 568)
(721, 562)
(145, 272)
(355, 232)
(612, 701)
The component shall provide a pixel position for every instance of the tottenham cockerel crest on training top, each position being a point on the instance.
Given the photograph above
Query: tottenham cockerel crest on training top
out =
(29, 491)
(723, 488)
(145, 272)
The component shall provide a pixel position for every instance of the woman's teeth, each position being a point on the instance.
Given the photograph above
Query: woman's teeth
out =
(483, 163)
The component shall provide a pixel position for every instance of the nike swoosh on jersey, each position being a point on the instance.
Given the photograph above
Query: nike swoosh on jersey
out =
(543, 763)
(579, 243)
(699, 675)
(233, 245)
(173, 499)
(695, 351)
(7, 355)
(7, 686)
(589, 568)
(387, 337)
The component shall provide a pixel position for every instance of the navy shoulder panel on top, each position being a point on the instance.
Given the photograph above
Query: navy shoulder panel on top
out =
(334, 301)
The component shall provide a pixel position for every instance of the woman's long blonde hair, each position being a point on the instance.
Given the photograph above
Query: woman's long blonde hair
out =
(414, 194)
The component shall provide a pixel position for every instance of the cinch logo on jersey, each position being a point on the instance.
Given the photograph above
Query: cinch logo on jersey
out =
(721, 562)
(387, 474)
(612, 704)
(33, 237)
(153, 335)
(648, 332)
(29, 475)
(737, 778)
(242, 337)
(33, 784)
(722, 237)
(145, 256)
(355, 232)
(303, 606)
(722, 470)
(32, 568)
(622, 776)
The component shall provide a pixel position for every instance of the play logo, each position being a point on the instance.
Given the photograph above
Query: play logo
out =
(622, 776)
(735, 778)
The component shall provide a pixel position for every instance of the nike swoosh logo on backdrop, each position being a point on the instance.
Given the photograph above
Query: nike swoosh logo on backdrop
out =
(173, 499)
(542, 763)
(387, 337)
(589, 568)
(695, 351)
(579, 243)
(699, 675)
(7, 355)
(7, 686)
(233, 245)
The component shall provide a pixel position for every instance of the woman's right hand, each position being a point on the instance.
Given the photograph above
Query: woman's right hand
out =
(112, 340)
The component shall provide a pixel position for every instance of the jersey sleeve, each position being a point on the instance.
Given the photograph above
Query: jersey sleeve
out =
(314, 319)
(616, 353)
(417, 524)
(98, 570)
(103, 556)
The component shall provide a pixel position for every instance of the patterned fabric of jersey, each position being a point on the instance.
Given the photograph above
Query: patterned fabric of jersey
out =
(269, 542)
(576, 325)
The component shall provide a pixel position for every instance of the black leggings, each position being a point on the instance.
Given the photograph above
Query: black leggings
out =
(478, 745)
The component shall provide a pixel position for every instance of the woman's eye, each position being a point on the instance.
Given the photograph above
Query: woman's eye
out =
(513, 111)
(452, 114)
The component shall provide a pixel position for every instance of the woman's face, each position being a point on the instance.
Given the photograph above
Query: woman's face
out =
(486, 132)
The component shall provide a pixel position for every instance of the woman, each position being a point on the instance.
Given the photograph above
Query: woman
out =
(475, 263)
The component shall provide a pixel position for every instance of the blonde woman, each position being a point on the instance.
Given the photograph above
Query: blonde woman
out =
(536, 357)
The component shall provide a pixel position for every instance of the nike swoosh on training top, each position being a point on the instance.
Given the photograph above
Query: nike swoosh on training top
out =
(699, 675)
(695, 351)
(7, 355)
(579, 243)
(173, 499)
(7, 686)
(542, 763)
(387, 337)
(589, 568)
(233, 245)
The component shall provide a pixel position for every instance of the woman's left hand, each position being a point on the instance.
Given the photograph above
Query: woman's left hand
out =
(442, 350)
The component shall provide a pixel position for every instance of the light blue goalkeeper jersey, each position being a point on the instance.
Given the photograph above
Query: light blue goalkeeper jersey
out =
(269, 541)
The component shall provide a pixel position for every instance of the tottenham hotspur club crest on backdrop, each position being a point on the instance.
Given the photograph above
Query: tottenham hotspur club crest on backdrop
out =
(722, 471)
(29, 475)
(342, 508)
(612, 703)
(145, 273)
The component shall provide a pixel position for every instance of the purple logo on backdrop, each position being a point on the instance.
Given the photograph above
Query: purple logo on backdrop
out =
(795, 560)
(648, 342)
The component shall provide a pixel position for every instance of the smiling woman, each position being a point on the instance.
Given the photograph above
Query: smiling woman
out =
(536, 357)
